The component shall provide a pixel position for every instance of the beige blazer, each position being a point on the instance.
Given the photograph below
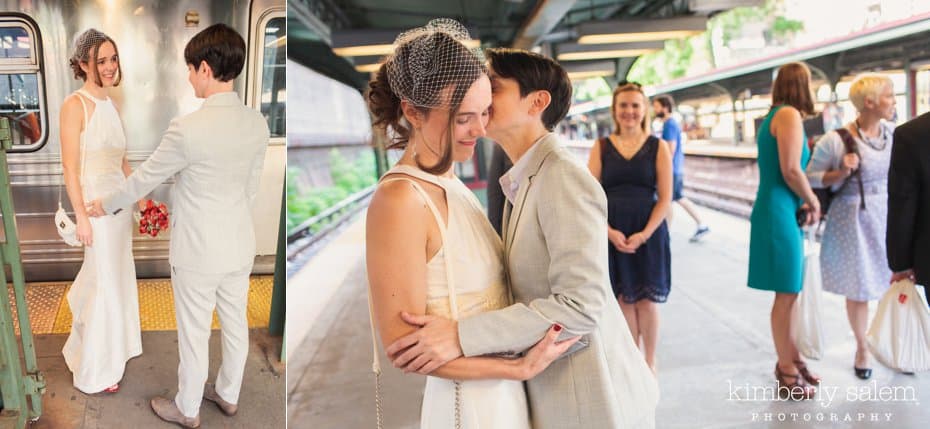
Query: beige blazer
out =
(217, 153)
(555, 241)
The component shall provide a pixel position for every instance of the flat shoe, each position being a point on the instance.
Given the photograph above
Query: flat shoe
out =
(112, 389)
(209, 393)
(166, 410)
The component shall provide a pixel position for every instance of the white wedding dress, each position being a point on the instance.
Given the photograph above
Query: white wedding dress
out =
(104, 298)
(469, 267)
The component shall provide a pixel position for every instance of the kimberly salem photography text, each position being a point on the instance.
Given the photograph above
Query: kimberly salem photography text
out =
(827, 395)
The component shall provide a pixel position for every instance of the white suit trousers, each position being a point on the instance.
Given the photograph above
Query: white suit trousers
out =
(195, 296)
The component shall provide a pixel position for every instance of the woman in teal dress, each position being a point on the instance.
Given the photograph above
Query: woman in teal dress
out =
(776, 244)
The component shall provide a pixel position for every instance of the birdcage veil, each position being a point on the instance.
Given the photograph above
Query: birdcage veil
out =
(431, 66)
(84, 42)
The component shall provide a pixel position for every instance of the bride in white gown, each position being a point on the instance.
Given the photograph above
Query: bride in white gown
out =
(430, 249)
(104, 302)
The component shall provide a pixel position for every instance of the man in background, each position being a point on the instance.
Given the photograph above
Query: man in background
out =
(663, 105)
(908, 232)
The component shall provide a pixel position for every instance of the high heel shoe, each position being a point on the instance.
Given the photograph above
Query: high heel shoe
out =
(806, 373)
(863, 373)
(112, 389)
(798, 390)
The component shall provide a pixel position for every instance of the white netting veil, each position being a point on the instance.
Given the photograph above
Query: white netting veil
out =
(431, 66)
(84, 42)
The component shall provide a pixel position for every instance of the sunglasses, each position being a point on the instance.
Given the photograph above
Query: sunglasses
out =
(628, 82)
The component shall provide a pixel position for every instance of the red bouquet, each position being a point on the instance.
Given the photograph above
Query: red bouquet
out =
(154, 218)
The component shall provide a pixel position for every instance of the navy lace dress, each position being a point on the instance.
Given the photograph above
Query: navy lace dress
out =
(630, 185)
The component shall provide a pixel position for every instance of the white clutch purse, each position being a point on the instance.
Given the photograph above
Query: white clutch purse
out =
(66, 227)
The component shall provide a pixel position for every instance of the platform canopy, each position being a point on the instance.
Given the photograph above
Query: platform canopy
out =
(894, 45)
(345, 39)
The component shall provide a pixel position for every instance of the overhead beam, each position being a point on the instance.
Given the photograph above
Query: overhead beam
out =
(544, 17)
(619, 31)
(575, 51)
(303, 14)
(368, 42)
(580, 70)
(706, 6)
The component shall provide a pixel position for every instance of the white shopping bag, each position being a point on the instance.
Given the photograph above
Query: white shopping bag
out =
(899, 336)
(806, 319)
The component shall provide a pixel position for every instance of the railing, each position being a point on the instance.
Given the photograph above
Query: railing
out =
(317, 227)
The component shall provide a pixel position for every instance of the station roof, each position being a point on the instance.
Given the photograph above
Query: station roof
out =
(554, 24)
(892, 45)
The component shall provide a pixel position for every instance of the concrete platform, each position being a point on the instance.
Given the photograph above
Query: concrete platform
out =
(715, 351)
(261, 401)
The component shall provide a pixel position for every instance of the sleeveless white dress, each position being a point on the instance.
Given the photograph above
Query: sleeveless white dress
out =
(465, 277)
(104, 298)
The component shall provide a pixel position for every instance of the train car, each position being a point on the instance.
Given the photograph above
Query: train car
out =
(35, 43)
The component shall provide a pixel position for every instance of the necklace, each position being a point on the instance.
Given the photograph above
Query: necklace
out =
(868, 140)
(627, 149)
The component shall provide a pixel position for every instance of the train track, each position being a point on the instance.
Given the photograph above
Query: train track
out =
(722, 183)
(319, 227)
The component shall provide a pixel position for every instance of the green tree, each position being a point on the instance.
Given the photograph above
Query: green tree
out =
(590, 89)
(347, 177)
(676, 58)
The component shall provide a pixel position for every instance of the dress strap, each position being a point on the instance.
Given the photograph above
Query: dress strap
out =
(416, 172)
(429, 203)
(89, 96)
(84, 104)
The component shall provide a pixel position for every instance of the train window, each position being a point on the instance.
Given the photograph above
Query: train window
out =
(273, 95)
(21, 83)
(15, 43)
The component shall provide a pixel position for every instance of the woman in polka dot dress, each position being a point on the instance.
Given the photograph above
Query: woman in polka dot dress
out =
(852, 254)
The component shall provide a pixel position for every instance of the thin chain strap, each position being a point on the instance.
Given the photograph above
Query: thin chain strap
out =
(375, 365)
(458, 404)
(379, 411)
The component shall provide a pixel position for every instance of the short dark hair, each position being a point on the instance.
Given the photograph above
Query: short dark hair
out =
(221, 47)
(666, 101)
(534, 72)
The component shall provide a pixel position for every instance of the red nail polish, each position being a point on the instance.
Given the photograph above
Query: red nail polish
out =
(558, 328)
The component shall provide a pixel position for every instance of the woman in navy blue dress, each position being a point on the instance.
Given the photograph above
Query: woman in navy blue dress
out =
(635, 170)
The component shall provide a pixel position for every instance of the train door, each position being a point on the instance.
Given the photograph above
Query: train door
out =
(266, 92)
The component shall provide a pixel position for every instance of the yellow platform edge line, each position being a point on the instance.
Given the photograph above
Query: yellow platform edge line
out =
(156, 305)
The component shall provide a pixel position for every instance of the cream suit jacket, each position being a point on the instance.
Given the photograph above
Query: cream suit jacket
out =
(555, 242)
(217, 153)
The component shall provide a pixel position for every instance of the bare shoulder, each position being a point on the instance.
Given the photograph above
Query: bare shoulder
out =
(394, 200)
(787, 114)
(785, 118)
(664, 146)
(72, 113)
(71, 104)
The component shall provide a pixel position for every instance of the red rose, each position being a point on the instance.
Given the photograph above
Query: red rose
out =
(149, 204)
(902, 298)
